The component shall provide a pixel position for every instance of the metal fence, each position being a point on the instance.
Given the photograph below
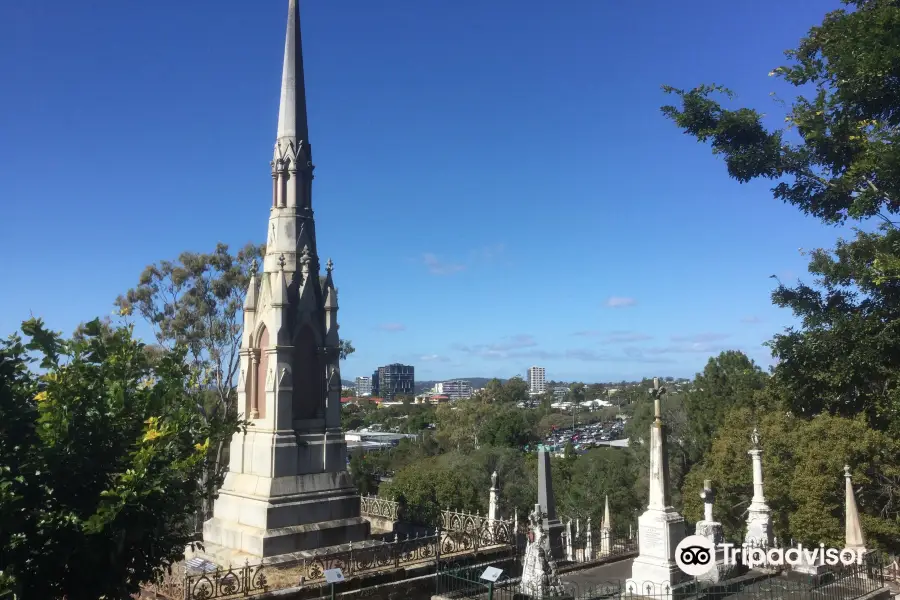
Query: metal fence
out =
(470, 537)
(842, 583)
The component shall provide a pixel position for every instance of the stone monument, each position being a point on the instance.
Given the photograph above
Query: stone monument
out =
(712, 530)
(853, 533)
(539, 576)
(759, 517)
(660, 529)
(493, 507)
(287, 489)
(606, 531)
(553, 528)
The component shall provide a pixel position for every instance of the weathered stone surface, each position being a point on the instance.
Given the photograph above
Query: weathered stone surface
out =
(287, 489)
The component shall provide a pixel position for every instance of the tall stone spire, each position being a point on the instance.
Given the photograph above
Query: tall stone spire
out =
(292, 108)
(287, 489)
(852, 527)
(291, 227)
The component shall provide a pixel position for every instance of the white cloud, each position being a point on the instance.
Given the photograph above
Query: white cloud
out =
(620, 302)
(436, 266)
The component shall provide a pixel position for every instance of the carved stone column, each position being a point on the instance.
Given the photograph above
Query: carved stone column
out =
(254, 399)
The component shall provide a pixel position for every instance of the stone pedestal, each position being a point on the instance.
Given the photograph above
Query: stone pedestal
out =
(723, 569)
(267, 518)
(654, 570)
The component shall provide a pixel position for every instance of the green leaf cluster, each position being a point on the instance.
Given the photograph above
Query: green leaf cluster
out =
(102, 452)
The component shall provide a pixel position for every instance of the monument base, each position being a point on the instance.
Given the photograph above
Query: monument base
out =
(759, 527)
(653, 577)
(287, 492)
(553, 543)
(654, 572)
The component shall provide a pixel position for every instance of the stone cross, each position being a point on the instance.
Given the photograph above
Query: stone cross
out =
(708, 495)
(329, 266)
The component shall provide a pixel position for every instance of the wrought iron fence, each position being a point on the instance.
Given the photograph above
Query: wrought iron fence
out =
(843, 583)
(373, 506)
(470, 536)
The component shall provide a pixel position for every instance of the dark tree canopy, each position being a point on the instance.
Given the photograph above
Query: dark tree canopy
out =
(836, 159)
(101, 456)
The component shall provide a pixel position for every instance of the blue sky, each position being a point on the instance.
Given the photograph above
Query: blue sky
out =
(495, 183)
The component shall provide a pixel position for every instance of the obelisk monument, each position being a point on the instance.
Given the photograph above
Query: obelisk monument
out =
(661, 527)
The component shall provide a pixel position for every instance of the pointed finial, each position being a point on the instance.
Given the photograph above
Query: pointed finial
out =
(329, 266)
(281, 262)
(254, 268)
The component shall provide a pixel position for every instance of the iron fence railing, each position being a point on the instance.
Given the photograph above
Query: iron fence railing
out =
(841, 583)
(469, 537)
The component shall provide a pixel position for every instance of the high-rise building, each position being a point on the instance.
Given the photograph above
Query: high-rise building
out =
(392, 380)
(363, 386)
(455, 390)
(287, 489)
(537, 380)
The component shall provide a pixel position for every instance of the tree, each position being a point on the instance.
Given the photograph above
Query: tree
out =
(363, 472)
(836, 159)
(730, 379)
(101, 456)
(803, 469)
(598, 473)
(511, 391)
(509, 427)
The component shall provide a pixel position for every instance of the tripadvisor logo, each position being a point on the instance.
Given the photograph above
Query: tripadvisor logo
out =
(696, 555)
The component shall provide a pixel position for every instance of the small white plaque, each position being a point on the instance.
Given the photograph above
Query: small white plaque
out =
(491, 574)
(334, 575)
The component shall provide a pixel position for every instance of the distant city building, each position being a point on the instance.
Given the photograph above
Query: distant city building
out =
(394, 379)
(537, 380)
(454, 390)
(560, 392)
(363, 386)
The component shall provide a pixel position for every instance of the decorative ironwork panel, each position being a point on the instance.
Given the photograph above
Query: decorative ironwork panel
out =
(373, 506)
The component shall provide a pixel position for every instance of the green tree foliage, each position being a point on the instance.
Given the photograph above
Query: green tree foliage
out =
(509, 392)
(803, 464)
(364, 470)
(729, 380)
(101, 456)
(430, 485)
(590, 478)
(461, 481)
(835, 159)
(509, 427)
(470, 424)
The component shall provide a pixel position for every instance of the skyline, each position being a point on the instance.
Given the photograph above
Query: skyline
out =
(474, 296)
